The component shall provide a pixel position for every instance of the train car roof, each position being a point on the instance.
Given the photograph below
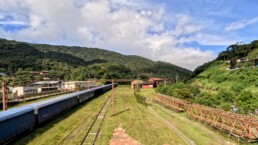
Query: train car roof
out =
(4, 115)
(61, 98)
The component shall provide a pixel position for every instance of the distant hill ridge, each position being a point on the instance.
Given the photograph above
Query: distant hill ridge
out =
(17, 56)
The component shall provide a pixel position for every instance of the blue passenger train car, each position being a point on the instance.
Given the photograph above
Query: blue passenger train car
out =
(16, 121)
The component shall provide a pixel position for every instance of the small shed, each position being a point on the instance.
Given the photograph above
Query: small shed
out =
(156, 81)
(147, 85)
(135, 83)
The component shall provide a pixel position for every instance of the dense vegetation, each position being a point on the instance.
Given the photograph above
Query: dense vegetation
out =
(18, 59)
(212, 84)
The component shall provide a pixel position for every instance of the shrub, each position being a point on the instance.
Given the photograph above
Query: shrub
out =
(225, 106)
(140, 99)
(247, 101)
(225, 95)
(206, 99)
(238, 87)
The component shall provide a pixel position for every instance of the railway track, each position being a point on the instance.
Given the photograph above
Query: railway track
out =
(70, 137)
(88, 125)
(93, 132)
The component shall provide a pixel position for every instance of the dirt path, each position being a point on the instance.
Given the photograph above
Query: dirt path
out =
(121, 138)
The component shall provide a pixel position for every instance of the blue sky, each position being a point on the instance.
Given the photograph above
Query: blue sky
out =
(187, 33)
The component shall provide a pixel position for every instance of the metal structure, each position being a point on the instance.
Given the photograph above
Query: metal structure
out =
(240, 126)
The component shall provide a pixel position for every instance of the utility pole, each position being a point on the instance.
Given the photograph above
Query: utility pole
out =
(3, 96)
(113, 97)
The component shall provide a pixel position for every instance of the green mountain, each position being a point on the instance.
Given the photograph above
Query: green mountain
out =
(229, 82)
(77, 63)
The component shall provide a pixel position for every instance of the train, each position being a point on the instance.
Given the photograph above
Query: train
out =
(17, 121)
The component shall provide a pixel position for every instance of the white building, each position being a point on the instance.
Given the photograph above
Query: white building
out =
(73, 85)
(21, 91)
(47, 84)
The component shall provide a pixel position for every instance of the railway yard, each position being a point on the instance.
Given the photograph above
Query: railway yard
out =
(94, 122)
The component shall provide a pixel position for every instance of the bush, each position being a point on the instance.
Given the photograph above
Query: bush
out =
(225, 95)
(220, 79)
(238, 87)
(140, 99)
(225, 106)
(247, 101)
(206, 99)
(179, 90)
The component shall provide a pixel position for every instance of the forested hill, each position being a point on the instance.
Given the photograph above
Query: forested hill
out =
(78, 63)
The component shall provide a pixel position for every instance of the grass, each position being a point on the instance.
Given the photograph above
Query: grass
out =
(200, 134)
(134, 117)
(147, 92)
(137, 121)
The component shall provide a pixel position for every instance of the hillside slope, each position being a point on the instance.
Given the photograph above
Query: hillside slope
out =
(229, 82)
(32, 57)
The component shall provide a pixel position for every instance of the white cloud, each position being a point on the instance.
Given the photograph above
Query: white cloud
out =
(185, 25)
(209, 39)
(122, 26)
(241, 24)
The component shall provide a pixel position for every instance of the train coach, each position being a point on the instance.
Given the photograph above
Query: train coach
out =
(16, 121)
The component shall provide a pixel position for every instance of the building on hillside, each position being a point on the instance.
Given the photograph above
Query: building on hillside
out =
(244, 62)
(47, 84)
(136, 83)
(73, 85)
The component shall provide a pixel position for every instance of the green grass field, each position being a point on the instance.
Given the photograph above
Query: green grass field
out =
(135, 118)
(137, 121)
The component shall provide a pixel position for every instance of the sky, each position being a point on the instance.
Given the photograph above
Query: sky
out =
(186, 33)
